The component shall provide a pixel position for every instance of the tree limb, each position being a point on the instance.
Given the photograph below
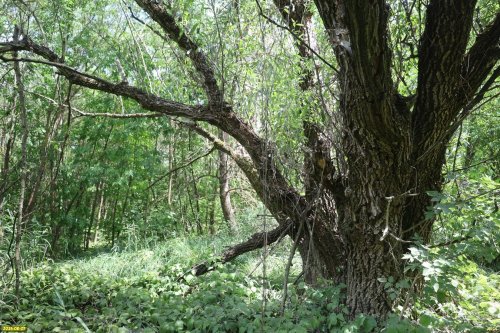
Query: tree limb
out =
(261, 170)
(228, 121)
(481, 58)
(256, 241)
(147, 101)
(442, 49)
(357, 32)
(447, 82)
(118, 115)
(158, 11)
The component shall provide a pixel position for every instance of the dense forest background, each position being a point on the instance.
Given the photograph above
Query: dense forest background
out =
(105, 207)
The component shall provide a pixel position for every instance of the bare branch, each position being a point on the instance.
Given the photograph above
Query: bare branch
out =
(479, 96)
(99, 114)
(451, 242)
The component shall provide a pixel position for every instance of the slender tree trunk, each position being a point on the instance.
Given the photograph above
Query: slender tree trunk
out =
(4, 176)
(113, 223)
(58, 227)
(146, 212)
(92, 216)
(22, 167)
(224, 194)
(6, 160)
(124, 207)
(51, 128)
(171, 163)
(196, 209)
(99, 214)
(211, 217)
(74, 232)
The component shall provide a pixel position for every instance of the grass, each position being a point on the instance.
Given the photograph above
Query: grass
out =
(106, 291)
(135, 287)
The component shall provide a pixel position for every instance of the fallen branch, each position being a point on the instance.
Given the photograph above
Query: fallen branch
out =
(256, 241)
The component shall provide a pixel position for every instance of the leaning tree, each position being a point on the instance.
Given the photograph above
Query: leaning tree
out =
(365, 175)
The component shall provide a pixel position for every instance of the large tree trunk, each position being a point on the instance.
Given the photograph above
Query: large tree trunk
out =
(356, 214)
(359, 243)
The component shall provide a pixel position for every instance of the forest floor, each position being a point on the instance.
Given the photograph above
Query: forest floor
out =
(146, 287)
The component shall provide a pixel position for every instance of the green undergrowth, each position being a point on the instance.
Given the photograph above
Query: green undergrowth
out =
(149, 290)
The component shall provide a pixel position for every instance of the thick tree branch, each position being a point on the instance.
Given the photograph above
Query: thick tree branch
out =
(224, 119)
(358, 32)
(280, 198)
(245, 164)
(159, 12)
(442, 48)
(147, 101)
(282, 201)
(268, 181)
(447, 82)
(449, 77)
(481, 59)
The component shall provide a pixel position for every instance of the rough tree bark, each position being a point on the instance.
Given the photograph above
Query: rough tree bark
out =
(391, 153)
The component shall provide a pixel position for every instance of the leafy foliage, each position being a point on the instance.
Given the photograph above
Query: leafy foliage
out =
(148, 289)
(135, 200)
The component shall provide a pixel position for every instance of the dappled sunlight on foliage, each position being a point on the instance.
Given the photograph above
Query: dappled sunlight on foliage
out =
(151, 290)
(250, 166)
